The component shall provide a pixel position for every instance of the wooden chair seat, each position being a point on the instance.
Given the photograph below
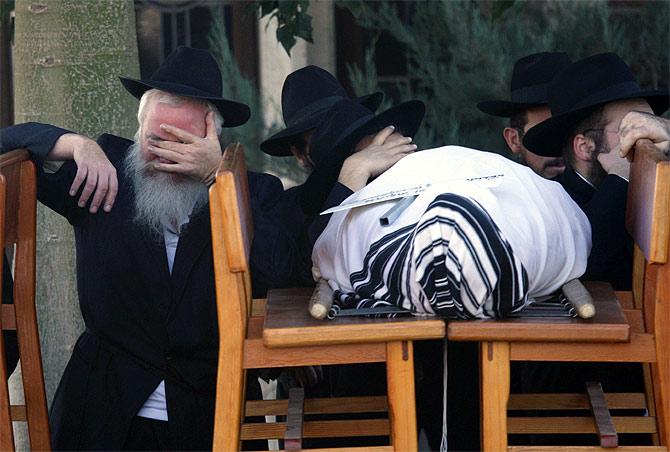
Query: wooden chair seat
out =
(289, 324)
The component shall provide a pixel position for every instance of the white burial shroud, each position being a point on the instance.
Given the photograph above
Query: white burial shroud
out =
(546, 230)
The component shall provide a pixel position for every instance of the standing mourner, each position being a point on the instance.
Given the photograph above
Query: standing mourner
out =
(528, 106)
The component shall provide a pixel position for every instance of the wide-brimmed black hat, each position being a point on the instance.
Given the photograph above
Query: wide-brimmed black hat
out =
(192, 73)
(530, 79)
(578, 91)
(307, 95)
(336, 138)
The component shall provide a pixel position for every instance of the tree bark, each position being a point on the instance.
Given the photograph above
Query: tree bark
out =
(67, 58)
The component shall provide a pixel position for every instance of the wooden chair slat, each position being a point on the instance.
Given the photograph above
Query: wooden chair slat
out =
(257, 355)
(320, 429)
(573, 401)
(329, 405)
(578, 425)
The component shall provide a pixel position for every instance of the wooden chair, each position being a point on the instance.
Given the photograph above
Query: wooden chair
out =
(18, 192)
(283, 335)
(639, 333)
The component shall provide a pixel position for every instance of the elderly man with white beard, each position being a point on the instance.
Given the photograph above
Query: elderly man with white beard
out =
(142, 375)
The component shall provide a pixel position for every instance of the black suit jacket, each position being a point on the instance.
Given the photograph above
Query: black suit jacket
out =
(143, 324)
(611, 257)
(304, 224)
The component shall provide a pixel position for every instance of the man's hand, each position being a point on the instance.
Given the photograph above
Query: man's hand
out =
(612, 163)
(636, 125)
(94, 170)
(386, 148)
(193, 156)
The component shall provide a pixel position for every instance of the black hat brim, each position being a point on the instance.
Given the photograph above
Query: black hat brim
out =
(405, 117)
(503, 108)
(278, 144)
(546, 138)
(234, 113)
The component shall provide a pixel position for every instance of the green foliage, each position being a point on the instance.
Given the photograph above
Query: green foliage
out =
(241, 89)
(292, 19)
(462, 52)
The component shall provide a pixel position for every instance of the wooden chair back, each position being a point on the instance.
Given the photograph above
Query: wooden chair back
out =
(648, 221)
(18, 191)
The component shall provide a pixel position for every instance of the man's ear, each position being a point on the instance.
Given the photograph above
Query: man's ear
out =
(583, 147)
(511, 136)
(300, 157)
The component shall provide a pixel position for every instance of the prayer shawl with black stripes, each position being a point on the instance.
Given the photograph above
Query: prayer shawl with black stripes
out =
(485, 236)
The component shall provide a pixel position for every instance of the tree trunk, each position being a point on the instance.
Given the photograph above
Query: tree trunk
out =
(67, 58)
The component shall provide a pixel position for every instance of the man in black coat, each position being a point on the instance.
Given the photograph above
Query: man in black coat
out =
(588, 100)
(143, 374)
(528, 106)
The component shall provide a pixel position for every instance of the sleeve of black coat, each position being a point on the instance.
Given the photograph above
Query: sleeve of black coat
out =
(611, 251)
(274, 253)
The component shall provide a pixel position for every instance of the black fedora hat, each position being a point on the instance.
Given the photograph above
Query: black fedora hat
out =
(530, 78)
(578, 91)
(307, 95)
(338, 134)
(193, 73)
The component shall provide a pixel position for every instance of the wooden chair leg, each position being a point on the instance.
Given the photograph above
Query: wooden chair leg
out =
(494, 388)
(401, 395)
(229, 405)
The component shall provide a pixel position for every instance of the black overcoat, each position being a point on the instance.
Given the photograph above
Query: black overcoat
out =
(143, 324)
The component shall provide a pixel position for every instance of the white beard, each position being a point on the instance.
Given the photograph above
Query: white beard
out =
(161, 199)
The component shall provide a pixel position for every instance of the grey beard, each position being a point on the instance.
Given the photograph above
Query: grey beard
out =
(161, 199)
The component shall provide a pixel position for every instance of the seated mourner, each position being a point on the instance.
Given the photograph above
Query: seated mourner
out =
(143, 374)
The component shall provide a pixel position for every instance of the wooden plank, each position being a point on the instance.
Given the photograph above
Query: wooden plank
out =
(18, 413)
(574, 401)
(288, 324)
(8, 317)
(657, 292)
(401, 395)
(640, 349)
(258, 307)
(494, 390)
(257, 355)
(320, 429)
(608, 325)
(327, 405)
(625, 298)
(255, 328)
(294, 419)
(585, 449)
(578, 424)
(358, 449)
(606, 432)
(635, 320)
